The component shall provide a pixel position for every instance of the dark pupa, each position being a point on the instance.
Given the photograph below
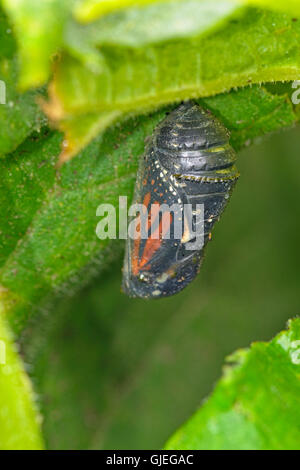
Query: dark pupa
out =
(190, 163)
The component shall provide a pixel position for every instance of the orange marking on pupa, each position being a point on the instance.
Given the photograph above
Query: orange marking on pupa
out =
(137, 242)
(154, 241)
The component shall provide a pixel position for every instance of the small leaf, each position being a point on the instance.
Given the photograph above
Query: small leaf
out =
(256, 405)
(19, 420)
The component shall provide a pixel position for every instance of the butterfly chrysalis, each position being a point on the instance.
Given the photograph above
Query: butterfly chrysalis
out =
(188, 163)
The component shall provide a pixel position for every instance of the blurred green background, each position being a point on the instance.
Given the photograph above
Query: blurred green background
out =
(115, 373)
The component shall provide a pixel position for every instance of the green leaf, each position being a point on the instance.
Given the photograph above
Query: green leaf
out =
(48, 243)
(20, 114)
(256, 405)
(19, 420)
(134, 59)
(125, 63)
